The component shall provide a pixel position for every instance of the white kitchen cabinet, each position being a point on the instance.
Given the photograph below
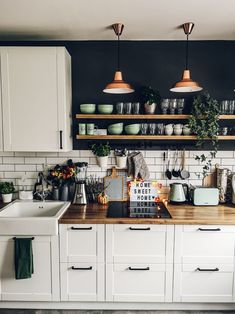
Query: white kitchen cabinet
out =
(204, 263)
(139, 243)
(82, 268)
(82, 243)
(139, 282)
(36, 98)
(139, 263)
(82, 281)
(44, 283)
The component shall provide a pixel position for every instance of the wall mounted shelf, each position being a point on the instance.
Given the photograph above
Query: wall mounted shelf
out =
(144, 116)
(148, 137)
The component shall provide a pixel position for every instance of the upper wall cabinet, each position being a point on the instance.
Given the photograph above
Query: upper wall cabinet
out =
(36, 99)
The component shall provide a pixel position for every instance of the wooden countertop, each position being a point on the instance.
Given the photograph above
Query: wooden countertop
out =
(181, 214)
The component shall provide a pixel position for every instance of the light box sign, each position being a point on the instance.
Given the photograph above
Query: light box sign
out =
(143, 191)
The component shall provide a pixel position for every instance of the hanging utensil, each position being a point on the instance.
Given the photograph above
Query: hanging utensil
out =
(168, 172)
(175, 171)
(184, 174)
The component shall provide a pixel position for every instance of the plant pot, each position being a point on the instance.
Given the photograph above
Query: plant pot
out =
(103, 161)
(150, 108)
(121, 161)
(7, 198)
(55, 193)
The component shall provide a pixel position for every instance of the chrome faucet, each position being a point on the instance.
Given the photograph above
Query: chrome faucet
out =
(41, 192)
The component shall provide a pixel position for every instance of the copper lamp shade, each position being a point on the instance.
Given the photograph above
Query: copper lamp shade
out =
(186, 85)
(118, 86)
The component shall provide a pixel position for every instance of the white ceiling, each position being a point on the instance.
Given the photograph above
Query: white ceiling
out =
(90, 19)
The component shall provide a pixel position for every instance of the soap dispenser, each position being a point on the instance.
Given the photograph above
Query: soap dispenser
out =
(233, 189)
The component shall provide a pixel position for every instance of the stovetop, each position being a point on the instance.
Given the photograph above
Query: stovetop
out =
(138, 210)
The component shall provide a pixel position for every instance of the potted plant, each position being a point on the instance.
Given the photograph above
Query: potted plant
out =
(101, 151)
(6, 189)
(151, 98)
(121, 157)
(203, 121)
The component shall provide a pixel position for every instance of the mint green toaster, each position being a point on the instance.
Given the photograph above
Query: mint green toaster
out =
(202, 196)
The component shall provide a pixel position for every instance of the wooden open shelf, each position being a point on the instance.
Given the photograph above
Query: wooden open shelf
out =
(144, 116)
(147, 137)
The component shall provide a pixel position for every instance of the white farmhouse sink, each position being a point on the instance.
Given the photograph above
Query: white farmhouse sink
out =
(31, 217)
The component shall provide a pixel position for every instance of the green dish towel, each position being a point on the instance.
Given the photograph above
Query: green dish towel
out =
(23, 258)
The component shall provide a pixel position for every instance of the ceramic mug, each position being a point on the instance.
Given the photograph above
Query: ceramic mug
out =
(178, 129)
(90, 128)
(186, 129)
(169, 129)
(82, 128)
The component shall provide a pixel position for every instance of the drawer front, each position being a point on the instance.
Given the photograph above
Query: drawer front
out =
(203, 283)
(82, 282)
(82, 243)
(139, 243)
(204, 244)
(139, 282)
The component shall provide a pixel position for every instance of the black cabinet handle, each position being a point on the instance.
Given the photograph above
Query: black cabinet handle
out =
(82, 268)
(207, 269)
(61, 139)
(133, 268)
(81, 228)
(19, 238)
(205, 229)
(144, 229)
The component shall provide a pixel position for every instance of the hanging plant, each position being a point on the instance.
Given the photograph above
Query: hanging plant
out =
(204, 121)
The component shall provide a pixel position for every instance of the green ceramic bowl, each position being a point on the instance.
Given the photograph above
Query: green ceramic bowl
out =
(115, 129)
(132, 129)
(87, 108)
(105, 108)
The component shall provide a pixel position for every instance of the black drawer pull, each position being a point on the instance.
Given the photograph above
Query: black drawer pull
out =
(133, 268)
(82, 268)
(82, 228)
(207, 269)
(61, 139)
(205, 229)
(19, 238)
(144, 229)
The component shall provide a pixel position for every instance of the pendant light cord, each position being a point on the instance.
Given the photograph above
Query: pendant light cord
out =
(118, 53)
(186, 62)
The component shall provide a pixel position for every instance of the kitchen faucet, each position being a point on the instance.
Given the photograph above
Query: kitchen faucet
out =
(41, 193)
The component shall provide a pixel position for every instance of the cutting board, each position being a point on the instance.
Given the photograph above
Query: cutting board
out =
(115, 186)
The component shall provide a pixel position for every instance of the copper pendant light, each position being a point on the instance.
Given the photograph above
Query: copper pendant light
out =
(118, 86)
(186, 85)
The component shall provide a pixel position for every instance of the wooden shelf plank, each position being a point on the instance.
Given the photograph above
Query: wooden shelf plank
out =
(147, 137)
(133, 117)
(144, 116)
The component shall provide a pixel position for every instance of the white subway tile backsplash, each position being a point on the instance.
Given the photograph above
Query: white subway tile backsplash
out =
(25, 167)
(14, 165)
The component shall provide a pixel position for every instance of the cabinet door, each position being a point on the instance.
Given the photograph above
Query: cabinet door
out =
(82, 243)
(82, 281)
(139, 282)
(139, 243)
(44, 283)
(211, 282)
(30, 99)
(204, 244)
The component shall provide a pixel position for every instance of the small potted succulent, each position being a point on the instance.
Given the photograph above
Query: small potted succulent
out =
(121, 157)
(7, 189)
(151, 98)
(101, 151)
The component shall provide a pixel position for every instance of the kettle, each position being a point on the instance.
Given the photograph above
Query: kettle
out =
(178, 193)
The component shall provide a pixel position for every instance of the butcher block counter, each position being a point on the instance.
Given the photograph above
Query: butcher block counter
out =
(181, 214)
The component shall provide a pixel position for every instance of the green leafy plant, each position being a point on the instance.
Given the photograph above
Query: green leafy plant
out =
(206, 162)
(7, 187)
(150, 95)
(204, 120)
(101, 150)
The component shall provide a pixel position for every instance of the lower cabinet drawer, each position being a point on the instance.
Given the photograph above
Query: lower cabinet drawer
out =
(82, 281)
(203, 283)
(139, 282)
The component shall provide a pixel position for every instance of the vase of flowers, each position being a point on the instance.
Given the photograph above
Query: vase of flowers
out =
(61, 177)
